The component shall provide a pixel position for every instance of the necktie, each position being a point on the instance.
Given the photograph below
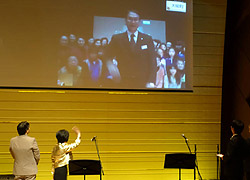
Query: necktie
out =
(132, 40)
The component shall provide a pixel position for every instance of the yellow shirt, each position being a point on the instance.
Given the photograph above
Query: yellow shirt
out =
(61, 153)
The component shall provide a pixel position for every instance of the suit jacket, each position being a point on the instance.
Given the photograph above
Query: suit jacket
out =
(87, 79)
(233, 159)
(26, 155)
(137, 65)
(247, 160)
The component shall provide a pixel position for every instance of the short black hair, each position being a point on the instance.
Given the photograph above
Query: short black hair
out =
(62, 136)
(162, 43)
(97, 40)
(133, 11)
(23, 127)
(238, 126)
(180, 59)
(104, 38)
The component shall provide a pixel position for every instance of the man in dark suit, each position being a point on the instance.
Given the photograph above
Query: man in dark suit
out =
(25, 153)
(236, 152)
(135, 55)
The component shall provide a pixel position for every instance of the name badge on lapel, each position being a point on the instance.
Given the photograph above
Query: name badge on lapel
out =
(144, 47)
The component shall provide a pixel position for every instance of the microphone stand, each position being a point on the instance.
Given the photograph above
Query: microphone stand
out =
(218, 161)
(98, 155)
(196, 166)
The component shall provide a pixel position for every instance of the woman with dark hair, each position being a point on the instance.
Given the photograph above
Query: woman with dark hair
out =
(161, 66)
(172, 57)
(172, 79)
(102, 50)
(62, 153)
(163, 46)
(181, 70)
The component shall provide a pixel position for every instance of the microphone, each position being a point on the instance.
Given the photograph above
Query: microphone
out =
(184, 137)
(94, 138)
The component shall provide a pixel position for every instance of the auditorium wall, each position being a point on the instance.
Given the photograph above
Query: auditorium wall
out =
(134, 129)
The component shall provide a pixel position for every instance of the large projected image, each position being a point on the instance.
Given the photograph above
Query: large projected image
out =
(135, 46)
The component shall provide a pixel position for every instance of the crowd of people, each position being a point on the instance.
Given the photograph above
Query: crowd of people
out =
(132, 59)
(171, 65)
(84, 63)
(81, 62)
